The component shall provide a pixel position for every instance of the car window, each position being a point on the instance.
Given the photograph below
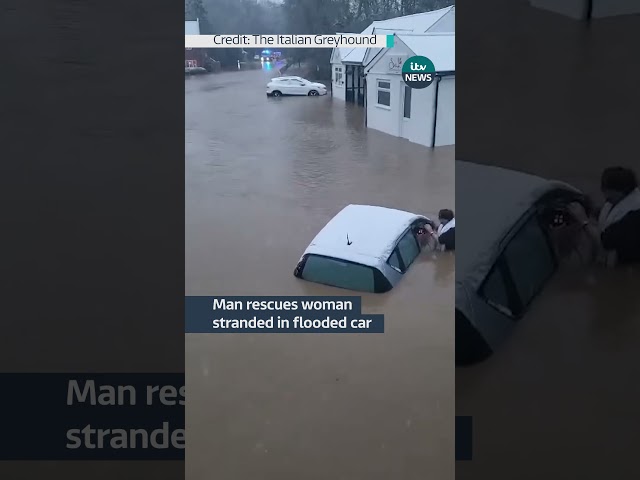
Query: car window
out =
(394, 260)
(523, 268)
(338, 273)
(408, 248)
(496, 290)
(530, 260)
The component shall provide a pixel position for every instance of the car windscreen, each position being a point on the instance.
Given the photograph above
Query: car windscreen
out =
(339, 273)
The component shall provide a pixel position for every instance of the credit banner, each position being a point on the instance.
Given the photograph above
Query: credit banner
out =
(288, 41)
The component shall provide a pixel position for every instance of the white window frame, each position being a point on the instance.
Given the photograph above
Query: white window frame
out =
(383, 89)
(338, 77)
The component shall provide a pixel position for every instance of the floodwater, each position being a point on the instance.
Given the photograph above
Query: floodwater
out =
(560, 398)
(263, 176)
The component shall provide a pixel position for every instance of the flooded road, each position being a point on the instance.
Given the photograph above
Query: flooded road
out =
(262, 177)
(559, 399)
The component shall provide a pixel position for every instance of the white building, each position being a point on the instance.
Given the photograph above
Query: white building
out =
(348, 64)
(425, 116)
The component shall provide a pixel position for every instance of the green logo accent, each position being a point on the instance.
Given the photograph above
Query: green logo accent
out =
(418, 72)
(390, 41)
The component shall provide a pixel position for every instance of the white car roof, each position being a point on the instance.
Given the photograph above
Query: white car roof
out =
(490, 201)
(373, 232)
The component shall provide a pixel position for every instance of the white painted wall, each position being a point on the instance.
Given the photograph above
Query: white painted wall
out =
(339, 90)
(385, 119)
(446, 122)
(418, 128)
(379, 117)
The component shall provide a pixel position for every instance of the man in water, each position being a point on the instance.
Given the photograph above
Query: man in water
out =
(617, 232)
(446, 230)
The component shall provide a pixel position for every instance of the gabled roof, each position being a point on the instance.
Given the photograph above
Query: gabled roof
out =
(192, 27)
(338, 53)
(440, 48)
(417, 23)
(372, 231)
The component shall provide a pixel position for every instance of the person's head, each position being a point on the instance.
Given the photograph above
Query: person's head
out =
(617, 182)
(445, 216)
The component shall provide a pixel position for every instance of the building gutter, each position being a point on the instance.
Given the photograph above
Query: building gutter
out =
(365, 101)
(435, 112)
(439, 76)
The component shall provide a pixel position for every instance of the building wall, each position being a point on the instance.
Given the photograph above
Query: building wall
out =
(338, 90)
(419, 128)
(197, 54)
(446, 122)
(385, 119)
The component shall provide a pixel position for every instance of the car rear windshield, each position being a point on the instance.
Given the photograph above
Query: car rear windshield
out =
(343, 274)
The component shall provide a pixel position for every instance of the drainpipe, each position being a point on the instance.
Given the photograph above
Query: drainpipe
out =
(365, 100)
(435, 112)
(589, 13)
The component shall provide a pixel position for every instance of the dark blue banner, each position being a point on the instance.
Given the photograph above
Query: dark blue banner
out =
(65, 416)
(279, 315)
(110, 416)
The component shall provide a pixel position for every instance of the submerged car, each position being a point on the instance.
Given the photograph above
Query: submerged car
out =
(291, 85)
(505, 253)
(363, 248)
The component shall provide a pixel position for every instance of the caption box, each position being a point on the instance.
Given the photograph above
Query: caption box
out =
(106, 416)
(279, 314)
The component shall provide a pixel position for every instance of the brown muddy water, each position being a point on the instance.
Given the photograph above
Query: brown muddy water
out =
(560, 399)
(262, 177)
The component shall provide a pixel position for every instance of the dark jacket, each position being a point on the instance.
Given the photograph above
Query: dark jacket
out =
(623, 237)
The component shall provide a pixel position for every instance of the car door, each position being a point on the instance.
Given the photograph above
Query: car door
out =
(298, 87)
(521, 271)
(283, 86)
(406, 251)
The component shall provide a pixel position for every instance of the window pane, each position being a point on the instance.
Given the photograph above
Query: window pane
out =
(382, 84)
(331, 271)
(384, 98)
(495, 291)
(407, 102)
(394, 259)
(409, 249)
(530, 260)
